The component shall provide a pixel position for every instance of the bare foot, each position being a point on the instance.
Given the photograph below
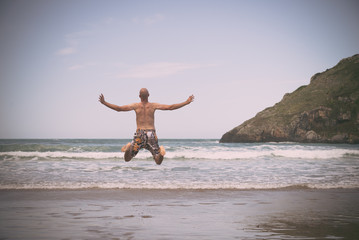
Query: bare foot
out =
(124, 148)
(162, 151)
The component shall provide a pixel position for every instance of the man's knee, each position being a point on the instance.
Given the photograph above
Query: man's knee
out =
(158, 159)
(128, 154)
(160, 155)
(127, 158)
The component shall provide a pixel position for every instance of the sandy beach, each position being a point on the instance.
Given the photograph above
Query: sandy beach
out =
(179, 214)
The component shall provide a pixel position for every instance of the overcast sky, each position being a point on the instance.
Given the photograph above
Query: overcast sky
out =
(236, 57)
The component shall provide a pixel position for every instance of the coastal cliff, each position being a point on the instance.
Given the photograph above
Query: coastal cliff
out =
(325, 111)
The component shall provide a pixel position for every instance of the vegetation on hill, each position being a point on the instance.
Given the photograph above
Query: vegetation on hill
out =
(326, 110)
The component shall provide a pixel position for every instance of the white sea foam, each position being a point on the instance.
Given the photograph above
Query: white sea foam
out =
(188, 164)
(66, 155)
(178, 186)
(200, 153)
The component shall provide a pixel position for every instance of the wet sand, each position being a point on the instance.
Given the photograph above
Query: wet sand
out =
(179, 214)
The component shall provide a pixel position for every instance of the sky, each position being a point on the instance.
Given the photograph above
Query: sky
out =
(236, 57)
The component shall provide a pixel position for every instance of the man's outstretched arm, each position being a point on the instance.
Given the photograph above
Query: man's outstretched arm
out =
(175, 106)
(101, 99)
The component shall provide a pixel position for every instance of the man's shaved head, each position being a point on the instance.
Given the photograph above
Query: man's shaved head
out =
(144, 93)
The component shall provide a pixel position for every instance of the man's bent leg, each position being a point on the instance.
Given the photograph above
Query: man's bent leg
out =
(159, 157)
(128, 152)
(152, 145)
(131, 149)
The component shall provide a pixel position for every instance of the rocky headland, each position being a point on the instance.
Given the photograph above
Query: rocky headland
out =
(325, 111)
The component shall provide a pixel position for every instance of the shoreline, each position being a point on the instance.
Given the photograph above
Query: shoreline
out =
(288, 188)
(179, 214)
(297, 187)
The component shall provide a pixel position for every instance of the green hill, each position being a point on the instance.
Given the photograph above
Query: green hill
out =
(326, 110)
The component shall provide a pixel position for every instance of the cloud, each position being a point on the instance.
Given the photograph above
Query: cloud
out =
(74, 37)
(72, 41)
(153, 19)
(80, 66)
(66, 51)
(109, 21)
(149, 20)
(77, 66)
(158, 69)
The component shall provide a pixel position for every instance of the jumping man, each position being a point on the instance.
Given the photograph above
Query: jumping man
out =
(145, 136)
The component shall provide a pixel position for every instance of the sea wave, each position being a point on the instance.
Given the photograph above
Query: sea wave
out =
(172, 186)
(192, 153)
(190, 164)
(58, 148)
(60, 155)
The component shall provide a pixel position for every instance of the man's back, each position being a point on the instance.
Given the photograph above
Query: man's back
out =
(145, 115)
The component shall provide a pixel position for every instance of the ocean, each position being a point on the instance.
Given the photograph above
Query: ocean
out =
(83, 189)
(188, 164)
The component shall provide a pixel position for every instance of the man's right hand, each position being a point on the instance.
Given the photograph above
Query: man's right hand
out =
(190, 99)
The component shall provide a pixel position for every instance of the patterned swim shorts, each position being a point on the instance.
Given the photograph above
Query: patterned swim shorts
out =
(145, 138)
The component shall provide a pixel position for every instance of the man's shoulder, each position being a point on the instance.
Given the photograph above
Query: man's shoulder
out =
(134, 105)
(140, 105)
(154, 105)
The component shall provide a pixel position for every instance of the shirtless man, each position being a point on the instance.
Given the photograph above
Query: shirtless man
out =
(145, 136)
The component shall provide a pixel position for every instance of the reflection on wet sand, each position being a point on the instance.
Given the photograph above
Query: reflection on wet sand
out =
(179, 214)
(312, 226)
